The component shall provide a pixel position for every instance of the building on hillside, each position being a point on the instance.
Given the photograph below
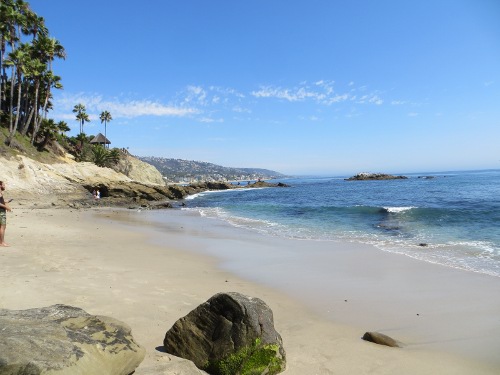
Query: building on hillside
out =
(100, 139)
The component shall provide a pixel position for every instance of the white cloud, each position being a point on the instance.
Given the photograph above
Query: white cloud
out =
(118, 108)
(413, 114)
(292, 95)
(337, 99)
(321, 92)
(239, 109)
(210, 120)
(226, 91)
(376, 99)
(195, 94)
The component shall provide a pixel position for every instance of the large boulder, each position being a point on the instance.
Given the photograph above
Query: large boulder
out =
(229, 334)
(64, 340)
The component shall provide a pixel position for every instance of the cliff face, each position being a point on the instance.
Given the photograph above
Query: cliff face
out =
(138, 170)
(29, 180)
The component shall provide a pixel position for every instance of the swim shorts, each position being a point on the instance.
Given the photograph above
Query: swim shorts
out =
(3, 218)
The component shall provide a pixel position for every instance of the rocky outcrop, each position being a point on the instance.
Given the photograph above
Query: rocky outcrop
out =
(374, 176)
(64, 340)
(229, 334)
(212, 186)
(137, 191)
(262, 184)
(138, 170)
(381, 339)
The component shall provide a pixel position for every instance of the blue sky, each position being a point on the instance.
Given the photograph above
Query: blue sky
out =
(302, 87)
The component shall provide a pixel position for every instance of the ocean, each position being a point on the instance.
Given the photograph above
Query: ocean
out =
(449, 218)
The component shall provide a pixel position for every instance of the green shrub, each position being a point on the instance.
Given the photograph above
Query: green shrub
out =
(104, 158)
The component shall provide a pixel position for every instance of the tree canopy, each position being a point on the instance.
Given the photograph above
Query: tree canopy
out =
(26, 77)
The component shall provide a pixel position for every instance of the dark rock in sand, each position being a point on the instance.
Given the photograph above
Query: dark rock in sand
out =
(65, 339)
(381, 339)
(229, 334)
(138, 191)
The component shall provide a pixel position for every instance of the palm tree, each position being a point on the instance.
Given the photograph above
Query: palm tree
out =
(81, 115)
(28, 89)
(52, 49)
(13, 19)
(34, 71)
(7, 13)
(18, 60)
(63, 127)
(104, 158)
(105, 117)
(48, 129)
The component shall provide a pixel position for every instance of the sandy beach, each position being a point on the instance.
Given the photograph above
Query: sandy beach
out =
(149, 269)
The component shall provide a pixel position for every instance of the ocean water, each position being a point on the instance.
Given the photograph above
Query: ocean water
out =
(452, 218)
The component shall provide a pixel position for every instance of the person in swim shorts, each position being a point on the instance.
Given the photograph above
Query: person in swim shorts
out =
(4, 207)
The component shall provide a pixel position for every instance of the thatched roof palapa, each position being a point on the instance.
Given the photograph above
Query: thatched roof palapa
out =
(100, 139)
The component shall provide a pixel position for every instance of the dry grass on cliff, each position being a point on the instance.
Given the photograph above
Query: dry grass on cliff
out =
(22, 146)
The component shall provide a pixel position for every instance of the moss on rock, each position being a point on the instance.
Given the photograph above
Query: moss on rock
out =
(256, 359)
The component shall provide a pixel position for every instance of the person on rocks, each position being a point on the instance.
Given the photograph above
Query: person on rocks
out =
(4, 207)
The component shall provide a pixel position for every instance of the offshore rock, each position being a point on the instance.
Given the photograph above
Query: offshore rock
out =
(260, 184)
(381, 339)
(229, 334)
(65, 340)
(374, 176)
(212, 185)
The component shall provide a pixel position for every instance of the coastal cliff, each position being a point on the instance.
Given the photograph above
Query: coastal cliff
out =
(66, 182)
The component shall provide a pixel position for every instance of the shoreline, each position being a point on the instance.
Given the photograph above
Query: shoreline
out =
(149, 274)
(416, 302)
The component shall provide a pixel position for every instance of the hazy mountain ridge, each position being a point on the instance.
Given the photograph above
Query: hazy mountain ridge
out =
(179, 170)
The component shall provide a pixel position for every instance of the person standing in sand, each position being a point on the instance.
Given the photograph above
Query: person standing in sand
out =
(4, 207)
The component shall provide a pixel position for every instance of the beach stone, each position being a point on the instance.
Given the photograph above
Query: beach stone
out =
(381, 339)
(229, 334)
(64, 340)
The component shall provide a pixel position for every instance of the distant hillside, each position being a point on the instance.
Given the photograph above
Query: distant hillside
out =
(178, 170)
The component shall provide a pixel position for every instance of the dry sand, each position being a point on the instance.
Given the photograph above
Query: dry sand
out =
(148, 273)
